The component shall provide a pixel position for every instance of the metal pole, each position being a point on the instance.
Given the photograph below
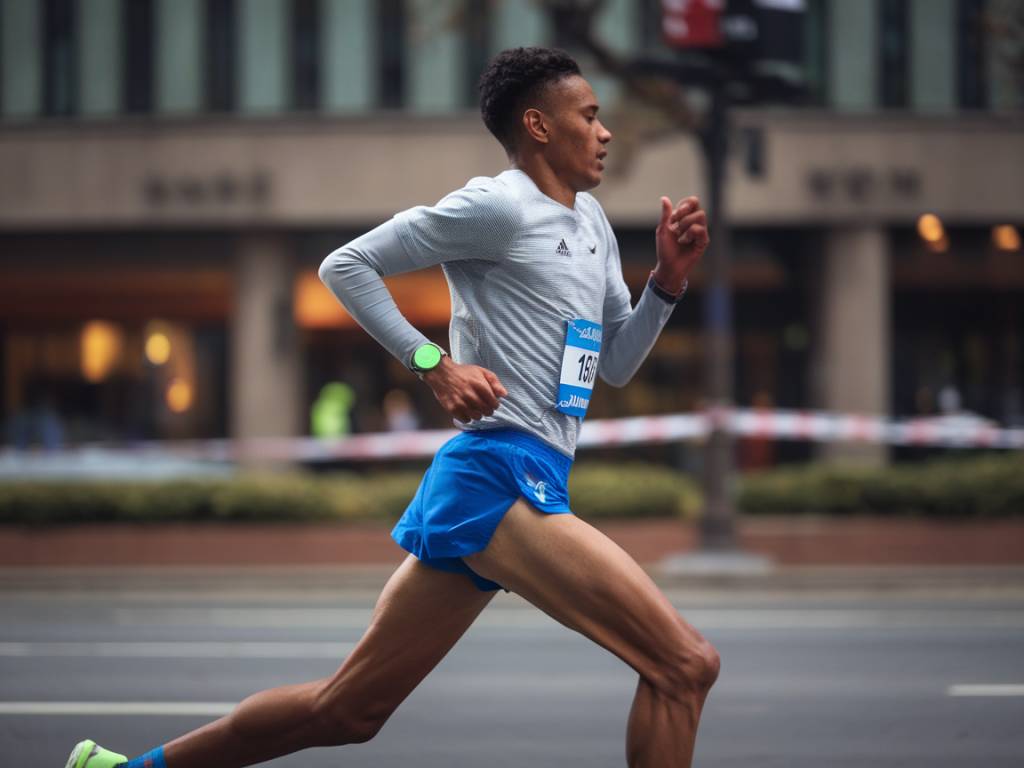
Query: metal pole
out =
(717, 524)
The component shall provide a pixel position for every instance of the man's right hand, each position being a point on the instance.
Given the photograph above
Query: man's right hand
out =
(466, 392)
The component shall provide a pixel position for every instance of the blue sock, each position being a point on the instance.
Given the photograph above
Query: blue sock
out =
(152, 759)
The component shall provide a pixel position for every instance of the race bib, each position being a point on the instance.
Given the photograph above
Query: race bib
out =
(579, 367)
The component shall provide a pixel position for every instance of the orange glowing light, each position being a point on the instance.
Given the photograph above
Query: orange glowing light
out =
(1006, 237)
(101, 344)
(179, 396)
(158, 348)
(422, 297)
(929, 227)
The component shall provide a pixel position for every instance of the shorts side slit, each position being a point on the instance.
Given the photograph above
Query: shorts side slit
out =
(474, 479)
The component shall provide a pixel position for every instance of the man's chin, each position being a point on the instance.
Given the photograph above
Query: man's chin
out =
(590, 182)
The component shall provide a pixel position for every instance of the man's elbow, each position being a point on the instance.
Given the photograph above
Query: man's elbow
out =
(334, 265)
(327, 268)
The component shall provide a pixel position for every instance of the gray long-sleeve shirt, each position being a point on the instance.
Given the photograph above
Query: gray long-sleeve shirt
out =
(519, 266)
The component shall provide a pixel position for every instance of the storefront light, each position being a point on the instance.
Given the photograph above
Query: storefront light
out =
(158, 348)
(179, 396)
(929, 227)
(1006, 237)
(101, 344)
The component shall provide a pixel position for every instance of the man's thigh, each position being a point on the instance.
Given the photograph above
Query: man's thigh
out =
(580, 577)
(420, 614)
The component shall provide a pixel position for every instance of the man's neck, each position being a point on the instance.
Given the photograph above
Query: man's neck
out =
(547, 181)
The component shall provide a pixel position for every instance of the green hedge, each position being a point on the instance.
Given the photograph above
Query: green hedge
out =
(597, 491)
(986, 486)
(632, 490)
(989, 486)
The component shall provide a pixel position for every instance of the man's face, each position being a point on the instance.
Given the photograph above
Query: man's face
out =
(577, 139)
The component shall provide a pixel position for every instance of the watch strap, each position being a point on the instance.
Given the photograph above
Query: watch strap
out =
(661, 293)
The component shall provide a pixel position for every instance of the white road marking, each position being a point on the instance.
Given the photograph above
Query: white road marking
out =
(197, 708)
(987, 689)
(181, 650)
(353, 618)
(702, 618)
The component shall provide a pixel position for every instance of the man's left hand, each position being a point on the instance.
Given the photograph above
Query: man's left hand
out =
(682, 238)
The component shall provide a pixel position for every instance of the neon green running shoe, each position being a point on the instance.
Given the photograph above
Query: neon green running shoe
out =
(89, 754)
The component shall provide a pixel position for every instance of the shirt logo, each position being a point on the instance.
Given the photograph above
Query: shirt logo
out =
(593, 249)
(563, 249)
(537, 486)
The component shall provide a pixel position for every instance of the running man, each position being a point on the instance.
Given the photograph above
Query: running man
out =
(539, 309)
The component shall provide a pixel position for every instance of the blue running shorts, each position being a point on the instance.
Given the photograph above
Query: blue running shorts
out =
(473, 480)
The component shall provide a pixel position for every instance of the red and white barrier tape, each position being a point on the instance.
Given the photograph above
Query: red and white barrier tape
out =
(818, 426)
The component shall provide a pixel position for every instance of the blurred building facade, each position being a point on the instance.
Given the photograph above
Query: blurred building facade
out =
(174, 171)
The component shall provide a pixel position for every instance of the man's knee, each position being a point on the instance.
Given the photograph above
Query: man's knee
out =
(342, 723)
(691, 670)
(710, 665)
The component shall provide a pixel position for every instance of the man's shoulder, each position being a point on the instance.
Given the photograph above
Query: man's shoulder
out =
(485, 191)
(499, 185)
(491, 197)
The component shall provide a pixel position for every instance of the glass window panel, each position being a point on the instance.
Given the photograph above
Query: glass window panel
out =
(971, 85)
(138, 60)
(220, 55)
(60, 53)
(391, 46)
(305, 54)
(893, 43)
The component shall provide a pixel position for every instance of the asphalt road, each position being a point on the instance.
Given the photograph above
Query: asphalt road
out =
(808, 679)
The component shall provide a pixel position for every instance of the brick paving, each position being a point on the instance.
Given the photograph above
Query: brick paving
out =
(796, 541)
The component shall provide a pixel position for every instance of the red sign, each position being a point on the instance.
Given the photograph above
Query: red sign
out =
(692, 23)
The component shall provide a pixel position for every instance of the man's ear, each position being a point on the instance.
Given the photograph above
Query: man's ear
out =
(536, 126)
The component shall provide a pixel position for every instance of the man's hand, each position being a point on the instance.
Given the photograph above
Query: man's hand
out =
(466, 392)
(681, 237)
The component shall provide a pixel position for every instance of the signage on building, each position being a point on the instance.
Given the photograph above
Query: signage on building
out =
(692, 23)
(752, 29)
(205, 191)
(861, 184)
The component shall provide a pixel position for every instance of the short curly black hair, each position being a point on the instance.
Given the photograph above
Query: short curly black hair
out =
(512, 79)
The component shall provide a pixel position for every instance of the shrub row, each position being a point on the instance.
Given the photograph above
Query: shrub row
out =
(990, 486)
(987, 486)
(596, 490)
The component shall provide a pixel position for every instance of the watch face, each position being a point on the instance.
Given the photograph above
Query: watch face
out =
(426, 357)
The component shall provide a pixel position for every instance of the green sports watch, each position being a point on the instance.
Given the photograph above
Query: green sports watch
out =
(426, 358)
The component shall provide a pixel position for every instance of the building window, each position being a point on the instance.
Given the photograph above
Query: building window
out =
(477, 50)
(970, 54)
(649, 13)
(305, 54)
(893, 44)
(391, 47)
(59, 58)
(1004, 54)
(219, 45)
(816, 26)
(137, 18)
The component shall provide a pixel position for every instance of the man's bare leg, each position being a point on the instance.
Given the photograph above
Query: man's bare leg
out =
(420, 615)
(580, 577)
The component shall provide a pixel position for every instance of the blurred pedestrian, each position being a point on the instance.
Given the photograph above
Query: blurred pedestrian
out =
(399, 413)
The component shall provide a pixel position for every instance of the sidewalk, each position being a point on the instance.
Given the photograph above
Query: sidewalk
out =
(787, 541)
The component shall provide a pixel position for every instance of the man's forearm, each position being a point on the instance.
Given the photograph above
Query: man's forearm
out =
(353, 275)
(626, 350)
